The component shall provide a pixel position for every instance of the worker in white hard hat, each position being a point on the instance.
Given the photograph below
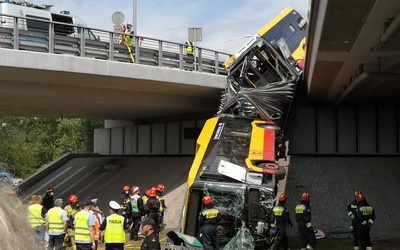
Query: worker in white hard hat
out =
(113, 228)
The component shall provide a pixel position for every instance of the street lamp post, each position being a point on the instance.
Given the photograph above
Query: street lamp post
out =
(134, 21)
(236, 38)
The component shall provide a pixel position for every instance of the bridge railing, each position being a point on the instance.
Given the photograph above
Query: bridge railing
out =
(31, 34)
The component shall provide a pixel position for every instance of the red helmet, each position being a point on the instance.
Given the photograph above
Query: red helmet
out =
(282, 198)
(160, 188)
(125, 188)
(305, 197)
(147, 192)
(207, 200)
(135, 190)
(49, 190)
(152, 193)
(73, 198)
(153, 188)
(356, 193)
(360, 197)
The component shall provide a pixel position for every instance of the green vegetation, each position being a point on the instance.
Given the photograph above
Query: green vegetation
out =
(28, 144)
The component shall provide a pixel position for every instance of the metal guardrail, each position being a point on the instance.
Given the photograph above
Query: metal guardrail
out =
(62, 38)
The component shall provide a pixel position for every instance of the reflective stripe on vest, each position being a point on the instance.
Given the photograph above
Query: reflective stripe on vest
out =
(35, 215)
(134, 199)
(56, 224)
(114, 232)
(82, 231)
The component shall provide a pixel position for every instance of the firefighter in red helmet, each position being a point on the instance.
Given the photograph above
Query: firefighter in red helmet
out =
(208, 219)
(365, 218)
(126, 206)
(153, 208)
(137, 210)
(303, 218)
(72, 209)
(279, 219)
(352, 212)
(163, 207)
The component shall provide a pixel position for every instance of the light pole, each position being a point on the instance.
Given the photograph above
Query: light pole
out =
(236, 38)
(134, 21)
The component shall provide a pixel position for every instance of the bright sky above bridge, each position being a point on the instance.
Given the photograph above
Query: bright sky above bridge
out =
(220, 20)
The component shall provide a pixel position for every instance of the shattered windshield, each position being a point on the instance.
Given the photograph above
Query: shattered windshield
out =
(229, 199)
(242, 240)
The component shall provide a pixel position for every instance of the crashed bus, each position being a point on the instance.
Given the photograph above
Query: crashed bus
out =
(237, 151)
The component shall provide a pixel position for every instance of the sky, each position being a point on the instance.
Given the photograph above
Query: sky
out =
(220, 20)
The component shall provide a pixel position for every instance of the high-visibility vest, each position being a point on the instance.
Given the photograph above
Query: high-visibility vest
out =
(56, 224)
(35, 215)
(145, 199)
(115, 232)
(82, 231)
(189, 48)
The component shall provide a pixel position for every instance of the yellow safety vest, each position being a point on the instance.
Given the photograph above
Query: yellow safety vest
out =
(56, 224)
(35, 215)
(115, 232)
(82, 231)
(144, 199)
(189, 48)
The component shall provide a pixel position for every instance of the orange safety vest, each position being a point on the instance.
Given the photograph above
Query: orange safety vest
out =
(96, 226)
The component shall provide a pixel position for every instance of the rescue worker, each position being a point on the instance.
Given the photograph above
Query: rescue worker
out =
(56, 225)
(126, 207)
(129, 35)
(137, 210)
(153, 209)
(365, 218)
(352, 212)
(113, 228)
(189, 48)
(84, 227)
(151, 241)
(280, 217)
(72, 208)
(48, 200)
(145, 198)
(303, 218)
(98, 219)
(208, 219)
(36, 216)
(163, 207)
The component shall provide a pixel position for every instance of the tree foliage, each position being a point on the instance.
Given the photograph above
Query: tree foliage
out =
(30, 143)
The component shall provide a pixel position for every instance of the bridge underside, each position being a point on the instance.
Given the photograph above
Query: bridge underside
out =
(73, 87)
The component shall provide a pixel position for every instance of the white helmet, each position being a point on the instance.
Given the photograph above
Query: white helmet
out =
(128, 24)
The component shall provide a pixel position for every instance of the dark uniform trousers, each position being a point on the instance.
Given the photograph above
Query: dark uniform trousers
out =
(306, 233)
(352, 210)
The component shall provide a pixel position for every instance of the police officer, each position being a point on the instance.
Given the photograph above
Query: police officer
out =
(208, 219)
(303, 218)
(113, 228)
(365, 218)
(151, 241)
(280, 217)
(352, 212)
